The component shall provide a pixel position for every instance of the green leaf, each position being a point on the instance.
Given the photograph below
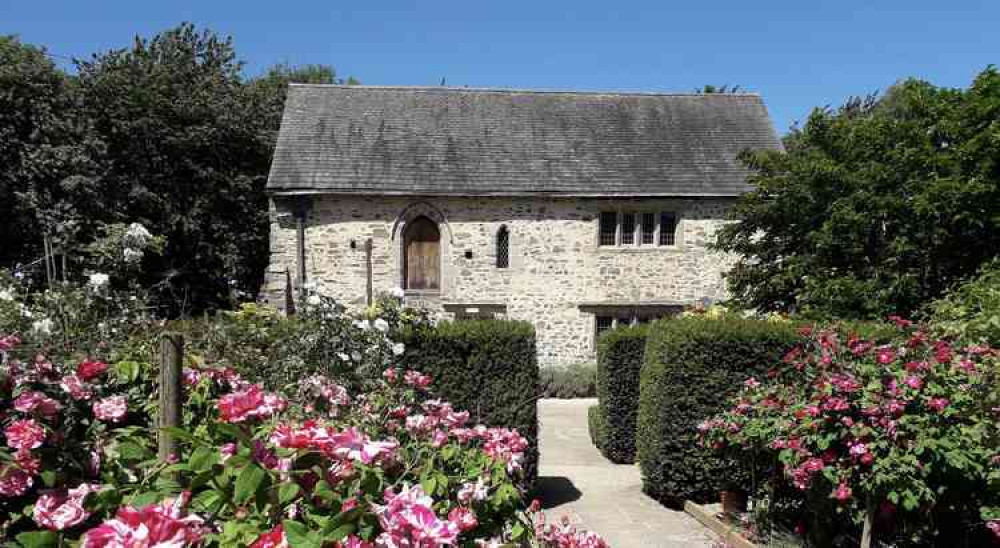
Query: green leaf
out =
(298, 535)
(340, 532)
(248, 482)
(38, 539)
(287, 492)
(203, 459)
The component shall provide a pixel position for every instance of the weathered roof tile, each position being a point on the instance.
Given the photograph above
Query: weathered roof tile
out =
(440, 141)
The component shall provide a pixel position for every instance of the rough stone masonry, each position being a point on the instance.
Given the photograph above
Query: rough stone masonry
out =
(556, 266)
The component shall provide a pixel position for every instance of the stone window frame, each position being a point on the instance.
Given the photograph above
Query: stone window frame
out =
(635, 314)
(637, 214)
(413, 211)
(503, 247)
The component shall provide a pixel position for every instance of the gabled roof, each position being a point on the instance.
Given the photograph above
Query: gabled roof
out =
(460, 141)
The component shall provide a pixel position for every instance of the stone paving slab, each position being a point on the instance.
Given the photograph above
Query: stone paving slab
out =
(577, 481)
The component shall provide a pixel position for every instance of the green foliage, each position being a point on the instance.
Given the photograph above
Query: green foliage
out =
(597, 427)
(168, 133)
(970, 312)
(691, 367)
(574, 381)
(874, 208)
(488, 367)
(619, 361)
(908, 426)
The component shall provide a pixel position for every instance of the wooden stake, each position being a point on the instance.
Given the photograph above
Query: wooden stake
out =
(368, 270)
(171, 363)
(866, 534)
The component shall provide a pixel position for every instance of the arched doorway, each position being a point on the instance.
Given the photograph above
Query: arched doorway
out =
(421, 255)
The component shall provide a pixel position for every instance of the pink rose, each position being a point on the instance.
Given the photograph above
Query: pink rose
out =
(90, 369)
(37, 402)
(249, 404)
(24, 435)
(14, 481)
(464, 518)
(416, 380)
(842, 493)
(938, 404)
(164, 524)
(914, 382)
(61, 510)
(885, 355)
(76, 388)
(111, 409)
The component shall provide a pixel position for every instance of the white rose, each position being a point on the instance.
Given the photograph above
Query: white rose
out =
(314, 300)
(398, 348)
(98, 280)
(381, 325)
(397, 292)
(362, 324)
(43, 326)
(6, 295)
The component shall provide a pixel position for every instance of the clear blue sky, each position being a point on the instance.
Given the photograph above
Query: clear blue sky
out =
(797, 54)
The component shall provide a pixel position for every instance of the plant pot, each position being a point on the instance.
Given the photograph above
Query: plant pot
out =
(734, 501)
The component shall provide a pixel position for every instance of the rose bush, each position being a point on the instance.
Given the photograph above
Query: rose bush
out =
(904, 433)
(390, 466)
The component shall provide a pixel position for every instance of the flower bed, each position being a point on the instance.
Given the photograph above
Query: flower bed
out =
(843, 430)
(391, 466)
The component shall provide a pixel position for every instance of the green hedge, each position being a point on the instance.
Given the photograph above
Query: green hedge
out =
(488, 367)
(619, 361)
(596, 427)
(692, 367)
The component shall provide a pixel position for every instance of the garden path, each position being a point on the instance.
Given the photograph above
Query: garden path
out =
(598, 495)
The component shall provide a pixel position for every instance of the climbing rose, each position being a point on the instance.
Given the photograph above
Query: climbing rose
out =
(155, 526)
(408, 519)
(14, 481)
(250, 403)
(111, 409)
(32, 402)
(416, 379)
(464, 518)
(61, 510)
(842, 492)
(24, 435)
(89, 369)
(275, 538)
(76, 388)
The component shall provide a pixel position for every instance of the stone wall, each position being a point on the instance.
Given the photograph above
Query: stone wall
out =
(555, 262)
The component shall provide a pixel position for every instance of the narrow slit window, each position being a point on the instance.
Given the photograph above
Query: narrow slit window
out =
(648, 228)
(609, 227)
(503, 247)
(628, 228)
(668, 228)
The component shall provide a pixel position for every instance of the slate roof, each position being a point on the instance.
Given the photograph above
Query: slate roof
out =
(460, 141)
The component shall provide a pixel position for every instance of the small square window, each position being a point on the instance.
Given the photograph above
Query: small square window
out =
(628, 228)
(668, 228)
(609, 228)
(603, 323)
(648, 228)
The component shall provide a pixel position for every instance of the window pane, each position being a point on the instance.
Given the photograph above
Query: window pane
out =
(648, 228)
(628, 228)
(603, 324)
(609, 225)
(668, 225)
(503, 247)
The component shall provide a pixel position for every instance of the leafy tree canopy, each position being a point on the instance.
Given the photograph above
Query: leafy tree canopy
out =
(169, 133)
(873, 208)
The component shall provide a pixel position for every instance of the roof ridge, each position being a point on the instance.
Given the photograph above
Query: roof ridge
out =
(524, 90)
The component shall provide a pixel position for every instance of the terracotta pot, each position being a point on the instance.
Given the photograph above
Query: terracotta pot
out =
(733, 501)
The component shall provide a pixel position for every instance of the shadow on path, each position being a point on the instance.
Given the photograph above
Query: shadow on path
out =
(553, 491)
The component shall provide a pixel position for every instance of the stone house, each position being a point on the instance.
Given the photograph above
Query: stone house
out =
(575, 211)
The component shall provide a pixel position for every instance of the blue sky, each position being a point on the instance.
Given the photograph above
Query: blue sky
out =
(797, 54)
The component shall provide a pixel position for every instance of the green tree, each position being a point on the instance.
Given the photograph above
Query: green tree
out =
(187, 155)
(873, 208)
(49, 161)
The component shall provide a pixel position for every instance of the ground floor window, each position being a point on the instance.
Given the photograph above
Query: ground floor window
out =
(613, 317)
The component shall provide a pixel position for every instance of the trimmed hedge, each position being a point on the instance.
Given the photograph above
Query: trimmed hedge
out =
(488, 367)
(692, 367)
(574, 381)
(619, 361)
(596, 426)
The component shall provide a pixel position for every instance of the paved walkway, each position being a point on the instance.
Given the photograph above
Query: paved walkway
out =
(576, 480)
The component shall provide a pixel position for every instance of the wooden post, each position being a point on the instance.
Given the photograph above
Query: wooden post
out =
(368, 270)
(171, 362)
(866, 534)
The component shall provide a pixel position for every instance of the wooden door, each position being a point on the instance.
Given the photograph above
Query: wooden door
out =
(422, 261)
